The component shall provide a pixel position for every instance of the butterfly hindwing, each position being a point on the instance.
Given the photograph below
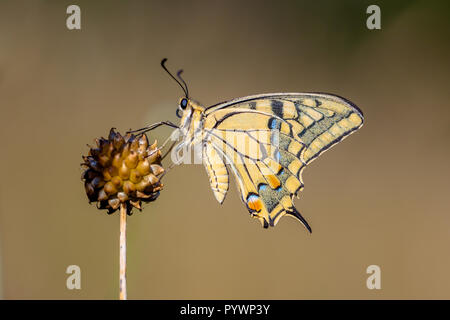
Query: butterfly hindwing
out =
(264, 178)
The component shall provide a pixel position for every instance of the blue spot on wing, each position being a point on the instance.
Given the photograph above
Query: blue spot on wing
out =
(274, 123)
(277, 156)
(262, 187)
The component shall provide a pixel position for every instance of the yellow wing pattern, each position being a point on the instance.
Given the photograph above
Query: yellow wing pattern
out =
(267, 140)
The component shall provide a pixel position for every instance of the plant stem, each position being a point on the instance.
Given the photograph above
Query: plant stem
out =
(123, 252)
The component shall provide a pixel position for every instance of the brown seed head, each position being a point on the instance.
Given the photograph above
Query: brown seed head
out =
(122, 170)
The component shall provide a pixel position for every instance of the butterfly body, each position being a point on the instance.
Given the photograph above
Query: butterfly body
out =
(266, 141)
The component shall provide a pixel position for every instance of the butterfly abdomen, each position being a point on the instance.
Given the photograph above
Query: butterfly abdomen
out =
(217, 172)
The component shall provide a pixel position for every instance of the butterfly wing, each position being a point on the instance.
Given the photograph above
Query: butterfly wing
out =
(269, 139)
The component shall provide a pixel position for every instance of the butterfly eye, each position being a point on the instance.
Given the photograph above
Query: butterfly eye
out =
(183, 103)
(179, 115)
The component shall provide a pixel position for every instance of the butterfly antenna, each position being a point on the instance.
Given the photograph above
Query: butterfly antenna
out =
(171, 75)
(184, 82)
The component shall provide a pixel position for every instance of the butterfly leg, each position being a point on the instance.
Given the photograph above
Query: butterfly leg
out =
(154, 126)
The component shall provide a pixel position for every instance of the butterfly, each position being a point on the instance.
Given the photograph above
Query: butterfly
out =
(265, 141)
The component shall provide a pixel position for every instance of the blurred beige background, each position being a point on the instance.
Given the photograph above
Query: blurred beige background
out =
(380, 197)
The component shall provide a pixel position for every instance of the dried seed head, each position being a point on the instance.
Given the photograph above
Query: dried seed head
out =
(122, 169)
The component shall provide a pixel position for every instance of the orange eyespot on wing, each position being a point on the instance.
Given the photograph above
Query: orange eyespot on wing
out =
(254, 203)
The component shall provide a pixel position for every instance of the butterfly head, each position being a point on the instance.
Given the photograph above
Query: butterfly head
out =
(186, 106)
(182, 106)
